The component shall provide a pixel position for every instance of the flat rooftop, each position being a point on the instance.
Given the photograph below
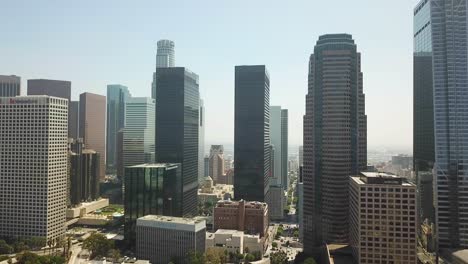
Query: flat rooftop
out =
(380, 178)
(172, 223)
(154, 165)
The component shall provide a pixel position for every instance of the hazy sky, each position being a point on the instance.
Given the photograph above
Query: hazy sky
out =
(95, 43)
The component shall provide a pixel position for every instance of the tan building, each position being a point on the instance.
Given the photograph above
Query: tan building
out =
(250, 217)
(234, 241)
(383, 218)
(216, 164)
(93, 126)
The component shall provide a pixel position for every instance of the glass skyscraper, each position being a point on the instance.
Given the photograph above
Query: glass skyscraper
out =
(252, 133)
(450, 81)
(177, 128)
(165, 58)
(116, 97)
(423, 107)
(335, 140)
(151, 189)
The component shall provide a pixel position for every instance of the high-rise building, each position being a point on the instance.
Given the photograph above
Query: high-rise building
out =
(216, 165)
(92, 126)
(10, 86)
(117, 95)
(301, 156)
(74, 119)
(334, 138)
(161, 239)
(201, 143)
(151, 189)
(275, 140)
(165, 58)
(449, 41)
(55, 88)
(138, 134)
(206, 162)
(84, 173)
(33, 166)
(423, 106)
(425, 196)
(383, 218)
(252, 133)
(284, 149)
(177, 126)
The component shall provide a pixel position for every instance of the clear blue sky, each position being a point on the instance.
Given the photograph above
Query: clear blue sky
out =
(95, 43)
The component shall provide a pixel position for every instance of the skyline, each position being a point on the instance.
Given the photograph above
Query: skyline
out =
(94, 47)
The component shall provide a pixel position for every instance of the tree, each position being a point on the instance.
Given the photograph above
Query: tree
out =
(98, 245)
(31, 258)
(310, 261)
(274, 244)
(249, 258)
(114, 254)
(5, 248)
(215, 256)
(196, 258)
(279, 257)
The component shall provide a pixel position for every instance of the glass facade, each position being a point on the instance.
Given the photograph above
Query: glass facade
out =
(177, 128)
(151, 189)
(252, 133)
(116, 97)
(450, 82)
(423, 107)
(335, 138)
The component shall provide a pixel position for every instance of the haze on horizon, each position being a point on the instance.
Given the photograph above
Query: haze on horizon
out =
(95, 43)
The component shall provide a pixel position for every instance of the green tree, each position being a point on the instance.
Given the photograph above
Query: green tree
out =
(196, 258)
(274, 244)
(114, 254)
(5, 248)
(98, 245)
(249, 258)
(310, 261)
(215, 256)
(279, 257)
(31, 258)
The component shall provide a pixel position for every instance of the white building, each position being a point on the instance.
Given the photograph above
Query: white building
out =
(161, 239)
(383, 219)
(234, 241)
(139, 131)
(33, 166)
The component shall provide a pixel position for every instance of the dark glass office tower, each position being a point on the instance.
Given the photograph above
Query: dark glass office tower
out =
(335, 141)
(252, 133)
(423, 108)
(449, 23)
(55, 88)
(151, 189)
(10, 86)
(177, 106)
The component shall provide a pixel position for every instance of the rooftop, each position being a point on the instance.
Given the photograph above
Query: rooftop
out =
(380, 178)
(155, 165)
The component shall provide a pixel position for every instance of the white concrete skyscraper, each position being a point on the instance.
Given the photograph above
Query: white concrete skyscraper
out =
(165, 56)
(33, 166)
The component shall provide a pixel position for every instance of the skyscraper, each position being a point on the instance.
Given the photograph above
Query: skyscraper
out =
(92, 126)
(252, 133)
(151, 189)
(10, 86)
(138, 137)
(450, 86)
(55, 88)
(334, 138)
(275, 139)
(284, 148)
(165, 58)
(201, 144)
(116, 97)
(423, 107)
(177, 127)
(33, 166)
(383, 219)
(73, 119)
(216, 165)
